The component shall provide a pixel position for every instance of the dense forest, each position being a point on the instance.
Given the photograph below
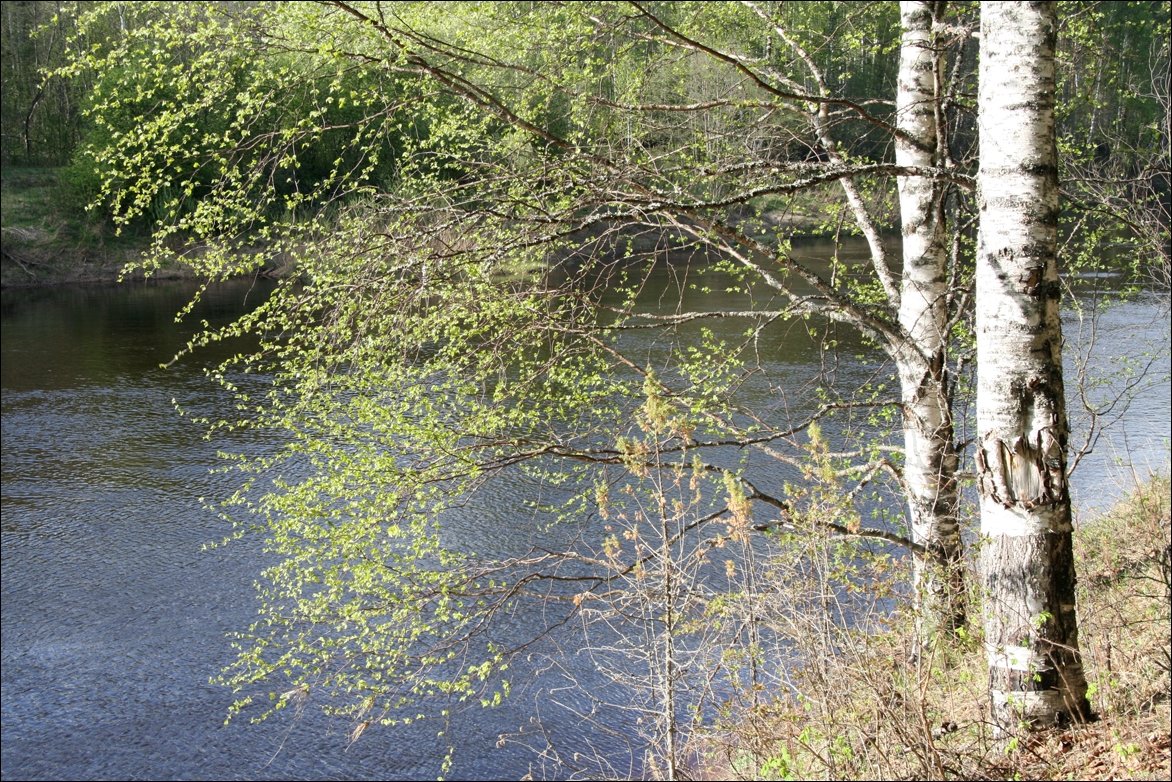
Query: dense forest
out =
(477, 211)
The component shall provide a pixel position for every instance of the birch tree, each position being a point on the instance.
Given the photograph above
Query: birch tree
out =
(1031, 630)
(926, 303)
(419, 356)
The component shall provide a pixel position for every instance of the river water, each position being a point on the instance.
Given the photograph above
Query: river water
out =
(114, 616)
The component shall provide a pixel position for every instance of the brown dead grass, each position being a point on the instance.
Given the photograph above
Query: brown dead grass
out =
(873, 711)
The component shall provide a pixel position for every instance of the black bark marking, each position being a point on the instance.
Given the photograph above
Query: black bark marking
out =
(1026, 472)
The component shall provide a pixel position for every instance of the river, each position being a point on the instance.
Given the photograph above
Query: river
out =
(114, 615)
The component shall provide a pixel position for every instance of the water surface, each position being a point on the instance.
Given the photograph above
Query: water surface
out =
(114, 616)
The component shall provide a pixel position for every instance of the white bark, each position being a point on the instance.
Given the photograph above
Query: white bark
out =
(920, 297)
(931, 461)
(1031, 632)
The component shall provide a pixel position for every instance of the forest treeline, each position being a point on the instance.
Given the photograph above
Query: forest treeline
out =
(1113, 104)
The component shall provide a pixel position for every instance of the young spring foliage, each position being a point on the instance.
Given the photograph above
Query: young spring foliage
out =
(474, 200)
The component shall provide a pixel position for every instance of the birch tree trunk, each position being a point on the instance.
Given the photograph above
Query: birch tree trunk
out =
(930, 453)
(1031, 632)
(920, 298)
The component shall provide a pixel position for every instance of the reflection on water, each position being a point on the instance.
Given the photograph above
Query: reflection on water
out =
(114, 616)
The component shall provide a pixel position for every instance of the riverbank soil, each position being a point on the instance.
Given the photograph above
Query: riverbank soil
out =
(1125, 626)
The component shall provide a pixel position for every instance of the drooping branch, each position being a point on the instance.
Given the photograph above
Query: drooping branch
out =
(691, 218)
(823, 98)
(820, 119)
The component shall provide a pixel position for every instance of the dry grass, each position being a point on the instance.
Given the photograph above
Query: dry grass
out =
(871, 710)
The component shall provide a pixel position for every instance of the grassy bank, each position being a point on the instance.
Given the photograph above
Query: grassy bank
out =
(47, 237)
(874, 711)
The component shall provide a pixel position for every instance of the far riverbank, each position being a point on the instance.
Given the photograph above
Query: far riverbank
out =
(46, 237)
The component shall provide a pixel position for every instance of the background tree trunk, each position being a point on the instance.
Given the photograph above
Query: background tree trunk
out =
(1031, 631)
(930, 454)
